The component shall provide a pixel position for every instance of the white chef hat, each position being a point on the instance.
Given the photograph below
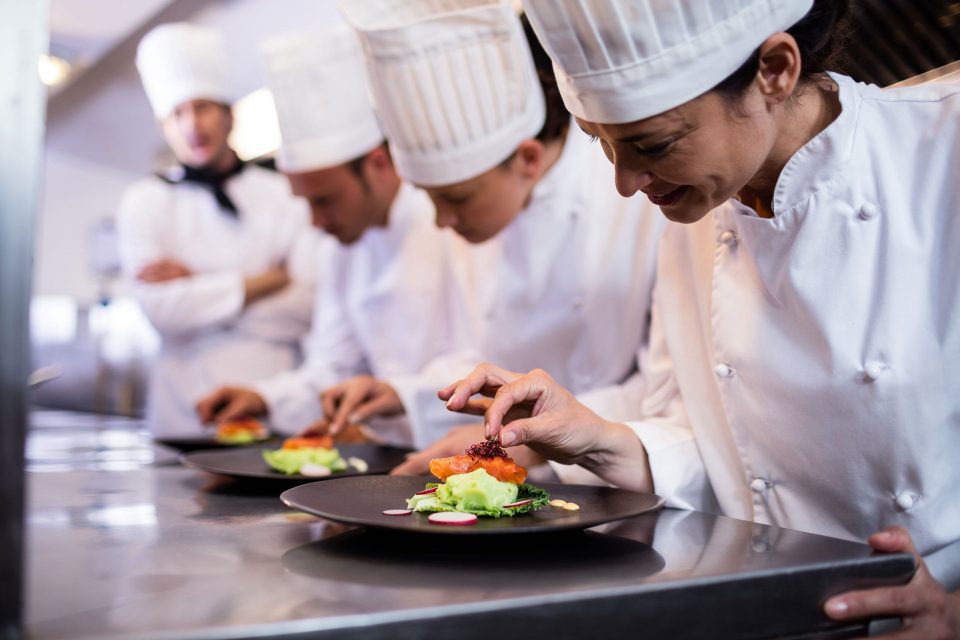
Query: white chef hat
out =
(620, 61)
(453, 81)
(319, 88)
(180, 62)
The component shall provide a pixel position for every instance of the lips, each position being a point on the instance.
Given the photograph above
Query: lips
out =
(668, 198)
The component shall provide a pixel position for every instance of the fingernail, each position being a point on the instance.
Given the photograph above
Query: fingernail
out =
(837, 607)
(507, 438)
(449, 402)
(354, 417)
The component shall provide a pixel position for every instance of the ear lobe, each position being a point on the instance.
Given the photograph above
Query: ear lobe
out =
(529, 155)
(779, 67)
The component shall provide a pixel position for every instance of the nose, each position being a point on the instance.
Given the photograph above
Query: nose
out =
(446, 217)
(318, 219)
(629, 180)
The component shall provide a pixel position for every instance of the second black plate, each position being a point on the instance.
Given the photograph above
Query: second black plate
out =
(247, 462)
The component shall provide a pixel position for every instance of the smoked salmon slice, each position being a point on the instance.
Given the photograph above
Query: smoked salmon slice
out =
(503, 469)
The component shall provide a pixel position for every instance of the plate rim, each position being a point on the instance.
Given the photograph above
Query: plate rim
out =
(658, 502)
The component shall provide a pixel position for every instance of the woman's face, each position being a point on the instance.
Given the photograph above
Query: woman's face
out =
(479, 208)
(692, 158)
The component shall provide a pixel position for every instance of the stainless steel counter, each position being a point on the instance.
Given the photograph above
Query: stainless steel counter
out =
(159, 551)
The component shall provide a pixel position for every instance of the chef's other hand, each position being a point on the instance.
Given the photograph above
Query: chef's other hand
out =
(230, 403)
(357, 400)
(454, 443)
(928, 612)
(163, 270)
(534, 410)
(269, 282)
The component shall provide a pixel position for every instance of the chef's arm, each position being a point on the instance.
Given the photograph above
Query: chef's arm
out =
(264, 284)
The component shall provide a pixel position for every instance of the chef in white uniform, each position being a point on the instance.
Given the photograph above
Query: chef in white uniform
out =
(803, 361)
(554, 245)
(218, 252)
(382, 308)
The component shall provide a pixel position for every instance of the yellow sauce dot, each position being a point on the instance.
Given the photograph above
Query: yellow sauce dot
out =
(570, 506)
(557, 503)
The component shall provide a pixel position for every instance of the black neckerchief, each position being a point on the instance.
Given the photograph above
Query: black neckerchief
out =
(214, 181)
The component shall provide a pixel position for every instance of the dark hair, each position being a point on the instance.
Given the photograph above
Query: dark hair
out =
(356, 165)
(820, 36)
(558, 118)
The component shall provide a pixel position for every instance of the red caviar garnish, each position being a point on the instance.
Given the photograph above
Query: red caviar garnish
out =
(488, 449)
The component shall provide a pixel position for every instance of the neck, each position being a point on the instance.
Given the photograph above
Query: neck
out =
(551, 153)
(814, 110)
(391, 190)
(222, 164)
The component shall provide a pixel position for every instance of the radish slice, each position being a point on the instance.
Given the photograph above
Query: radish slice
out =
(314, 470)
(426, 491)
(452, 517)
(518, 503)
(397, 512)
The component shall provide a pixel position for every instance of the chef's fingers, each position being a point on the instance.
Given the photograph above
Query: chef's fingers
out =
(484, 376)
(329, 400)
(524, 390)
(354, 392)
(380, 404)
(209, 405)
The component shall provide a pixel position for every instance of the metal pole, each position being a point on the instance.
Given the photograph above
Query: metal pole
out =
(23, 37)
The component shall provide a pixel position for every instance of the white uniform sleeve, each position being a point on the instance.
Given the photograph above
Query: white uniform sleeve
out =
(661, 423)
(428, 417)
(180, 306)
(333, 354)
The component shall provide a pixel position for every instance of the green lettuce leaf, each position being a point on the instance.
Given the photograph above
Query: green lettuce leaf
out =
(289, 461)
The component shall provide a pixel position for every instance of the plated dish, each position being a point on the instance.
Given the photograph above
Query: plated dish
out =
(249, 462)
(362, 500)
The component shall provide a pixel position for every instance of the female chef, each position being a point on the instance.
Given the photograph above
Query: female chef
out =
(474, 121)
(803, 367)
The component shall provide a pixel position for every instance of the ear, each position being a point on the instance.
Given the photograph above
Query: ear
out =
(779, 69)
(378, 160)
(528, 159)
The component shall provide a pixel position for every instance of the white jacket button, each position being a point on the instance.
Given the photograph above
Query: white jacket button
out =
(758, 485)
(906, 500)
(723, 370)
(872, 371)
(867, 211)
(729, 238)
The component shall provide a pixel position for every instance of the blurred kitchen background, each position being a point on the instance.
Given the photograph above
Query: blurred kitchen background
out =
(91, 345)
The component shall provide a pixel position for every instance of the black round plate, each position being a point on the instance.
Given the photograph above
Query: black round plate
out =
(199, 443)
(362, 500)
(248, 462)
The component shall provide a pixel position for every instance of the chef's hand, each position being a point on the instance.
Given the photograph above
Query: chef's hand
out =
(927, 610)
(163, 270)
(534, 410)
(357, 400)
(351, 434)
(230, 403)
(455, 442)
(269, 282)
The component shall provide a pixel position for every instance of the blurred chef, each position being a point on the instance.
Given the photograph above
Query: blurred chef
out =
(218, 252)
(562, 266)
(803, 361)
(381, 309)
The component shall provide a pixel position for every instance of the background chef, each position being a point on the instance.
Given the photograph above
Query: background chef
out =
(383, 306)
(217, 252)
(553, 244)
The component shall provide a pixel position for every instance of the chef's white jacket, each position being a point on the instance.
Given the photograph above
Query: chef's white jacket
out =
(209, 338)
(804, 370)
(382, 309)
(548, 291)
